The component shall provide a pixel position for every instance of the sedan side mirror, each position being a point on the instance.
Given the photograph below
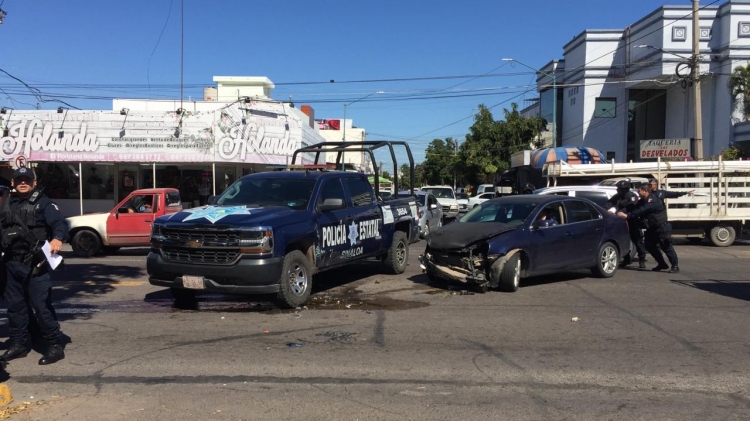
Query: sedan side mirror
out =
(542, 223)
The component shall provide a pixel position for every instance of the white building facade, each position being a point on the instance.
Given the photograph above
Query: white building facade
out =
(89, 160)
(616, 88)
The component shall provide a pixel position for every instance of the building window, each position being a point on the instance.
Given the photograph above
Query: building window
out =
(744, 29)
(572, 101)
(679, 33)
(605, 108)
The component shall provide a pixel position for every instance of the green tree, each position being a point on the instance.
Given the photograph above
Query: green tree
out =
(490, 144)
(440, 161)
(739, 87)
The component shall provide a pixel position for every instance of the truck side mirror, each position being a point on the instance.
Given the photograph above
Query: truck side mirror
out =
(211, 200)
(331, 204)
(433, 206)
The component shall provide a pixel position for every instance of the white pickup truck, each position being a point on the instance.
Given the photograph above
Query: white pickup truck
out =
(717, 209)
(447, 199)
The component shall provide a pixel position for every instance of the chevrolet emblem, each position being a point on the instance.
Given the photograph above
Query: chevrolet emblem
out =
(194, 244)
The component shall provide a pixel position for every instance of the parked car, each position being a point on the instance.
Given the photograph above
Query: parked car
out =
(597, 194)
(463, 202)
(430, 211)
(447, 199)
(127, 225)
(506, 239)
(635, 182)
(477, 200)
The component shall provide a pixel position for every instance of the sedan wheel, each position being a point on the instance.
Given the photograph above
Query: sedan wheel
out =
(606, 261)
(510, 277)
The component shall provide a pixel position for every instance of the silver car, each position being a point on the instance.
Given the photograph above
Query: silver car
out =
(431, 211)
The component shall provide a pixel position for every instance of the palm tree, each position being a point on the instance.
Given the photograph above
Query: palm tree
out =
(739, 86)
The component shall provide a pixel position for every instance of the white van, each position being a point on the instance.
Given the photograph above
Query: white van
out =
(485, 188)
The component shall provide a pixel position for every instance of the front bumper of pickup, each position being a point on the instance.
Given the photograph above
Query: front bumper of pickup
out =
(246, 276)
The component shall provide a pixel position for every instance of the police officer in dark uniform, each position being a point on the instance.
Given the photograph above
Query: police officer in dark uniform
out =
(626, 201)
(652, 210)
(664, 194)
(28, 221)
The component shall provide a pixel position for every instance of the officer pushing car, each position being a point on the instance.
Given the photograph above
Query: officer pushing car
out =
(652, 211)
(626, 201)
(29, 220)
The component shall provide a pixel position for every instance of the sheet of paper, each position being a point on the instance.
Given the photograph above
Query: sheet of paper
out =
(54, 260)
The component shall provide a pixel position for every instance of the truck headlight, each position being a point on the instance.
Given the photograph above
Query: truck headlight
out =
(156, 234)
(454, 207)
(256, 241)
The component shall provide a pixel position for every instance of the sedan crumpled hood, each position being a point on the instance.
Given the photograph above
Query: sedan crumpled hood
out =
(463, 234)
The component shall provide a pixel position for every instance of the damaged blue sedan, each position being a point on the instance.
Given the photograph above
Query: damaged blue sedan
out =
(503, 240)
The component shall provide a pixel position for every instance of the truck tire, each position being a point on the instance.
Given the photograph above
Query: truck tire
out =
(606, 261)
(86, 243)
(510, 277)
(296, 280)
(722, 235)
(398, 254)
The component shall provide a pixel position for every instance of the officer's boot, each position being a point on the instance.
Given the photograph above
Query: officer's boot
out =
(642, 264)
(54, 354)
(16, 350)
(675, 269)
(625, 261)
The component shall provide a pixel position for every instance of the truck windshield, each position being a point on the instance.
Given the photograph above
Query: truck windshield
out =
(294, 193)
(441, 192)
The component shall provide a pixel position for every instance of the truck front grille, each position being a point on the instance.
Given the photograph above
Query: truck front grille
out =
(204, 237)
(446, 208)
(201, 256)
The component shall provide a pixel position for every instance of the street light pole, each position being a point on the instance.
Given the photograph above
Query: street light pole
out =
(554, 96)
(344, 133)
(695, 77)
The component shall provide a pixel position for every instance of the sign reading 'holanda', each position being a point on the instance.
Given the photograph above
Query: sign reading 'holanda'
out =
(665, 148)
(229, 134)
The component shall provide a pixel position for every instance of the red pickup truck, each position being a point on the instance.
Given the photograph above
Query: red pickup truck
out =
(127, 225)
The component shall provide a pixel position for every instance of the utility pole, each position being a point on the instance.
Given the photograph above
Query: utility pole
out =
(695, 77)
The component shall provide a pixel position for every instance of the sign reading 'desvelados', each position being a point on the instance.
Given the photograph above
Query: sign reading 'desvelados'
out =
(227, 135)
(665, 148)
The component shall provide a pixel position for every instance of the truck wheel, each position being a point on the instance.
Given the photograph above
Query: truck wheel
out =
(296, 280)
(510, 277)
(606, 261)
(182, 295)
(722, 235)
(398, 254)
(86, 243)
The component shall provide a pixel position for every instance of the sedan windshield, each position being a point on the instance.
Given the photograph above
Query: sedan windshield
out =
(294, 193)
(507, 213)
(441, 193)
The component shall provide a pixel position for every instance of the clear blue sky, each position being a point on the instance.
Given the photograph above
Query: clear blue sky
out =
(116, 47)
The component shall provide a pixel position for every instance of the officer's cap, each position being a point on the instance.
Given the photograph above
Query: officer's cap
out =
(623, 185)
(23, 172)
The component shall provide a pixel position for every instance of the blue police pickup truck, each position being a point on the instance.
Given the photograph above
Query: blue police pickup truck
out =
(269, 232)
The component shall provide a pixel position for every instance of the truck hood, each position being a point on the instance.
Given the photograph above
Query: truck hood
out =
(463, 234)
(234, 216)
(87, 220)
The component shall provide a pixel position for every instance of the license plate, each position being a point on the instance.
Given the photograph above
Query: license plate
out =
(193, 282)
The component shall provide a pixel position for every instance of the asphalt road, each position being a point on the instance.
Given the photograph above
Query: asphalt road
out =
(643, 345)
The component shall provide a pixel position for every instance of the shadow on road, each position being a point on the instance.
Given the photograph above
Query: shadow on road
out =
(525, 283)
(733, 289)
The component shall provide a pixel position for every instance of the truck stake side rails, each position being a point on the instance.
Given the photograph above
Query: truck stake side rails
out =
(270, 232)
